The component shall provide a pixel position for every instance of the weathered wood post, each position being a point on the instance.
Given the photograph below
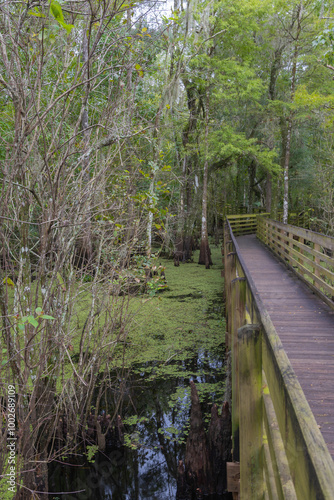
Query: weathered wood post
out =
(251, 412)
(238, 302)
(300, 259)
(271, 241)
(316, 271)
(230, 273)
(259, 228)
(289, 244)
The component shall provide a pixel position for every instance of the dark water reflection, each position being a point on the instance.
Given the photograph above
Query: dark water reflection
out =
(118, 475)
(146, 469)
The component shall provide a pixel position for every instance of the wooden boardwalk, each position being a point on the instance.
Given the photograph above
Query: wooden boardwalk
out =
(305, 326)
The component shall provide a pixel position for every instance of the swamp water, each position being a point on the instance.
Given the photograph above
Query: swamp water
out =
(182, 339)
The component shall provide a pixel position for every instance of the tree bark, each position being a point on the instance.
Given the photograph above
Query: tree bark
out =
(205, 254)
(286, 171)
(220, 445)
(197, 459)
(251, 175)
(187, 202)
(86, 247)
(290, 117)
(268, 193)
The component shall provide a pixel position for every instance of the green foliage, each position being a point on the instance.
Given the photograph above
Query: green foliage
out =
(57, 13)
(91, 452)
(32, 320)
(146, 91)
(176, 327)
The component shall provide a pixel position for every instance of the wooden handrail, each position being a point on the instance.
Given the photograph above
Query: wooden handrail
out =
(281, 450)
(244, 223)
(308, 254)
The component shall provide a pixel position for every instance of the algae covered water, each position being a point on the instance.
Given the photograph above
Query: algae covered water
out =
(176, 336)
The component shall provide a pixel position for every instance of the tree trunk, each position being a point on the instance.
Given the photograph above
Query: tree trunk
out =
(220, 445)
(286, 171)
(268, 193)
(187, 203)
(182, 492)
(86, 247)
(290, 118)
(205, 254)
(252, 174)
(197, 460)
(275, 67)
(150, 216)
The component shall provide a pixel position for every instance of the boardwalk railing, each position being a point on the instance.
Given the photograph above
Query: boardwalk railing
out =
(308, 254)
(239, 218)
(244, 223)
(276, 439)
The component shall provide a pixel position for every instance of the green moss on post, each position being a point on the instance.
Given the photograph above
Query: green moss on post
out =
(251, 408)
(238, 300)
(230, 271)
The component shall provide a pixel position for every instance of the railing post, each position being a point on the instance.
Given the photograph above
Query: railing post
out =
(271, 242)
(238, 314)
(230, 272)
(259, 227)
(317, 248)
(251, 412)
(289, 245)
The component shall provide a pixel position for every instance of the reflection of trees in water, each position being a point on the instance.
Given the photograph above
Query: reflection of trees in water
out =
(150, 470)
(158, 456)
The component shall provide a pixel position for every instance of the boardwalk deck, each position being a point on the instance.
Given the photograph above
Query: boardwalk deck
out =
(305, 326)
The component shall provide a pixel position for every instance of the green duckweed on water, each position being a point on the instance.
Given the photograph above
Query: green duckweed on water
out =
(181, 331)
(174, 336)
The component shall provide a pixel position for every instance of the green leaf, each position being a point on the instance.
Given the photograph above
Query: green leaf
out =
(8, 281)
(46, 316)
(21, 327)
(56, 11)
(36, 13)
(33, 321)
(38, 310)
(24, 319)
(67, 27)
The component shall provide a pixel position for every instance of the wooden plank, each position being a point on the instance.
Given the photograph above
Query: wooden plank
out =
(270, 475)
(284, 483)
(233, 477)
(243, 222)
(238, 299)
(301, 270)
(321, 239)
(250, 404)
(309, 460)
(297, 425)
(246, 216)
(313, 261)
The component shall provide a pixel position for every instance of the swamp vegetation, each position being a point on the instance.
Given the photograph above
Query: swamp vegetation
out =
(127, 131)
(177, 335)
